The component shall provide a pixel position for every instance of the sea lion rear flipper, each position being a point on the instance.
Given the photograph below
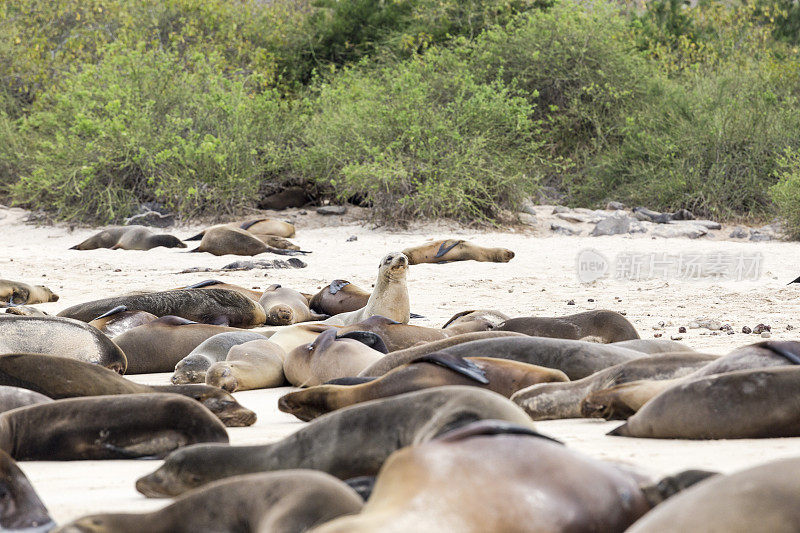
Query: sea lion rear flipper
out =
(455, 363)
(197, 237)
(339, 284)
(457, 316)
(113, 311)
(490, 427)
(620, 431)
(443, 250)
(201, 284)
(669, 486)
(415, 315)
(373, 340)
(795, 280)
(363, 485)
(353, 380)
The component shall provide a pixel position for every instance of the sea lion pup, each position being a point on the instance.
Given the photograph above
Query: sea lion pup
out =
(193, 367)
(129, 238)
(389, 298)
(251, 365)
(18, 293)
(551, 401)
(374, 429)
(435, 370)
(398, 336)
(482, 478)
(225, 240)
(58, 378)
(495, 318)
(654, 346)
(328, 357)
(598, 326)
(340, 296)
(125, 426)
(62, 337)
(21, 510)
(211, 306)
(258, 226)
(621, 401)
(577, 359)
(285, 306)
(745, 404)
(761, 498)
(13, 397)
(216, 284)
(24, 310)
(118, 320)
(455, 250)
(289, 501)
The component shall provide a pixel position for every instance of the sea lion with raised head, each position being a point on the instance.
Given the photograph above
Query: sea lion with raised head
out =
(118, 320)
(285, 306)
(61, 337)
(14, 293)
(289, 501)
(598, 326)
(216, 284)
(389, 298)
(125, 426)
(129, 238)
(435, 370)
(193, 367)
(340, 296)
(21, 509)
(455, 250)
(328, 357)
(209, 306)
(347, 443)
(398, 336)
(251, 365)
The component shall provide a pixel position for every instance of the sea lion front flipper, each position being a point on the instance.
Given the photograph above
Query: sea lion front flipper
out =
(490, 427)
(250, 223)
(373, 340)
(221, 320)
(113, 311)
(443, 249)
(204, 283)
(363, 485)
(339, 284)
(455, 363)
(415, 315)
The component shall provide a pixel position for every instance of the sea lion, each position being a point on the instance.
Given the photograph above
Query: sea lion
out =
(158, 345)
(761, 498)
(577, 359)
(745, 404)
(129, 238)
(550, 401)
(653, 346)
(290, 337)
(17, 293)
(258, 226)
(294, 196)
(21, 510)
(24, 310)
(398, 336)
(62, 337)
(251, 365)
(124, 426)
(13, 397)
(285, 306)
(273, 241)
(389, 298)
(340, 296)
(455, 250)
(216, 284)
(58, 378)
(193, 367)
(288, 501)
(328, 357)
(226, 240)
(212, 306)
(495, 318)
(375, 429)
(118, 320)
(435, 370)
(482, 477)
(598, 326)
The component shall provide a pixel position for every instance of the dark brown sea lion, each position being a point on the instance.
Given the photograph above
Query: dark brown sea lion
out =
(193, 367)
(285, 306)
(328, 357)
(215, 284)
(339, 297)
(21, 510)
(294, 196)
(654, 346)
(129, 238)
(499, 375)
(125, 426)
(398, 336)
(289, 501)
(18, 293)
(259, 226)
(273, 241)
(212, 306)
(252, 365)
(13, 397)
(455, 250)
(375, 429)
(118, 320)
(61, 337)
(226, 240)
(597, 326)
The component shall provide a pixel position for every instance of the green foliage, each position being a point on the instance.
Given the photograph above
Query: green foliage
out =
(786, 192)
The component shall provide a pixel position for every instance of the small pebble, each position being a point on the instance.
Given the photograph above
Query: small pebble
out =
(590, 300)
(352, 238)
(761, 328)
(789, 327)
(571, 302)
(676, 337)
(745, 329)
(682, 329)
(657, 335)
(766, 334)
(117, 270)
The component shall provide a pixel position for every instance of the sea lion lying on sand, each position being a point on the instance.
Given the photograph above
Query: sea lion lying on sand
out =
(455, 250)
(129, 238)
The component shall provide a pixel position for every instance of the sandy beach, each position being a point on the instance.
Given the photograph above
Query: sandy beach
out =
(541, 280)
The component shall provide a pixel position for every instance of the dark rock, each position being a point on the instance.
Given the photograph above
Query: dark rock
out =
(761, 328)
(564, 229)
(332, 210)
(615, 206)
(571, 302)
(682, 329)
(613, 225)
(352, 238)
(746, 330)
(151, 218)
(739, 233)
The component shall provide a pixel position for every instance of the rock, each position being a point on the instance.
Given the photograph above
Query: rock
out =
(766, 334)
(151, 218)
(708, 224)
(675, 337)
(682, 214)
(746, 330)
(528, 207)
(761, 328)
(708, 323)
(616, 224)
(352, 238)
(332, 210)
(764, 233)
(527, 219)
(682, 329)
(615, 206)
(637, 226)
(739, 233)
(689, 230)
(564, 229)
(571, 302)
(561, 209)
(657, 335)
(294, 196)
(590, 300)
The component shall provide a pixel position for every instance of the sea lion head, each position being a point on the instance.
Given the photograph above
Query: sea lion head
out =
(167, 241)
(184, 469)
(672, 485)
(502, 255)
(394, 266)
(20, 507)
(50, 295)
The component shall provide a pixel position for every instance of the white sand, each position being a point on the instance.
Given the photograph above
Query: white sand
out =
(539, 281)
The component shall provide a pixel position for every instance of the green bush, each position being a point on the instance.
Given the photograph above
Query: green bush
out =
(786, 192)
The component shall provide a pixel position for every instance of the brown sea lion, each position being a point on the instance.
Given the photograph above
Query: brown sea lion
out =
(290, 337)
(268, 226)
(745, 404)
(550, 401)
(294, 196)
(285, 306)
(455, 250)
(495, 318)
(118, 320)
(339, 297)
(215, 284)
(13, 397)
(328, 357)
(124, 426)
(398, 336)
(654, 346)
(58, 378)
(289, 501)
(597, 326)
(225, 240)
(21, 510)
(129, 238)
(193, 367)
(499, 375)
(389, 298)
(212, 306)
(18, 293)
(375, 429)
(61, 337)
(252, 365)
(24, 310)
(273, 241)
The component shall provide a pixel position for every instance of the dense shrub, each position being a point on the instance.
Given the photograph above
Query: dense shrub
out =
(786, 192)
